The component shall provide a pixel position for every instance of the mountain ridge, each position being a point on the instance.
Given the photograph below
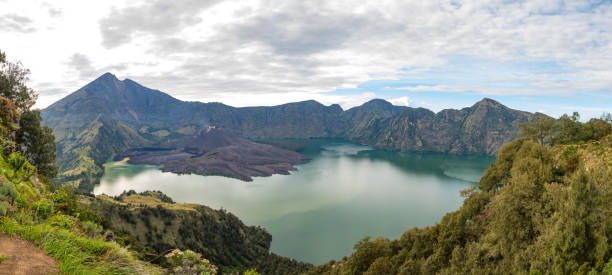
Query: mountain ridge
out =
(156, 117)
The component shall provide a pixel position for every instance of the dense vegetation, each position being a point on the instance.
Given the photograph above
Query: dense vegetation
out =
(108, 116)
(154, 224)
(543, 207)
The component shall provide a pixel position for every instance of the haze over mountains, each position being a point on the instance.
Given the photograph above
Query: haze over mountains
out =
(108, 116)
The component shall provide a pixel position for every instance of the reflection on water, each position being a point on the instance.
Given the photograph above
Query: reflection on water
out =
(317, 213)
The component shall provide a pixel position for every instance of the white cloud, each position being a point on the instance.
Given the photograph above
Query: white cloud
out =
(401, 101)
(213, 50)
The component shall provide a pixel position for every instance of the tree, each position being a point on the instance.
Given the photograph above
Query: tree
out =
(607, 117)
(37, 143)
(540, 131)
(9, 119)
(13, 78)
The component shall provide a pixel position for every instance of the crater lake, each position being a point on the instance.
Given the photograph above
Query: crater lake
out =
(317, 213)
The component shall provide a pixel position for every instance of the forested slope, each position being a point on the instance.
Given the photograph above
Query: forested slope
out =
(154, 225)
(543, 207)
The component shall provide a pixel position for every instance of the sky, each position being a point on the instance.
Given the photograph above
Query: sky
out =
(549, 56)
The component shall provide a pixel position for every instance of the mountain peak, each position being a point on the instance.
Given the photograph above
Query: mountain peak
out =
(487, 102)
(376, 102)
(107, 77)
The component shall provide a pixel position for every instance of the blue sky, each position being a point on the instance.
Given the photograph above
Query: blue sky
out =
(465, 80)
(552, 56)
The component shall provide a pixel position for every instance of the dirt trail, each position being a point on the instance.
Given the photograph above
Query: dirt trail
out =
(24, 258)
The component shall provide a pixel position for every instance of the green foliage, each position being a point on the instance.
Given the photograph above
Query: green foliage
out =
(62, 221)
(21, 201)
(3, 208)
(19, 168)
(598, 267)
(567, 130)
(251, 271)
(37, 143)
(189, 262)
(8, 191)
(537, 210)
(8, 122)
(76, 255)
(366, 252)
(64, 200)
(43, 208)
(153, 226)
(3, 259)
(540, 131)
(13, 79)
(91, 229)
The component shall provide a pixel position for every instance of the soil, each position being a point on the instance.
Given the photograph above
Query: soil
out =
(24, 258)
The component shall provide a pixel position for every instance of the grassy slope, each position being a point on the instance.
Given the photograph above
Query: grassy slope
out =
(34, 213)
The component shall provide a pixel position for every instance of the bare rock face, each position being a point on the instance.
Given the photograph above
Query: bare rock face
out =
(217, 151)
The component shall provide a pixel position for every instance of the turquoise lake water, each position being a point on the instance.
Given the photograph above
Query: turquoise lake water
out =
(346, 192)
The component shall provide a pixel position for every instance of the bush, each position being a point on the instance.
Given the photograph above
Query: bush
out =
(189, 262)
(91, 229)
(21, 168)
(8, 192)
(62, 221)
(21, 201)
(3, 208)
(64, 200)
(43, 208)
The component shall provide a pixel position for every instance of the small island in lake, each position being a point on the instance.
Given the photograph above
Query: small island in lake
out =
(217, 151)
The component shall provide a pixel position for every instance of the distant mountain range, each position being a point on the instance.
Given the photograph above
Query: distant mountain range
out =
(108, 116)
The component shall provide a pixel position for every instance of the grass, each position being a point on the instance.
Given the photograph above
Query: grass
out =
(76, 254)
(3, 258)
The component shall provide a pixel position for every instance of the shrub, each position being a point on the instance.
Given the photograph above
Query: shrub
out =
(62, 221)
(21, 201)
(91, 229)
(8, 192)
(64, 200)
(3, 208)
(21, 168)
(43, 208)
(189, 262)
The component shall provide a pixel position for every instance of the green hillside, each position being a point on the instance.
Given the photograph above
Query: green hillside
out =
(539, 209)
(154, 224)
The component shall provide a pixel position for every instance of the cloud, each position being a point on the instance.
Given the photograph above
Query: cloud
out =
(82, 65)
(16, 23)
(156, 17)
(401, 101)
(282, 46)
(213, 49)
(308, 27)
(55, 12)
